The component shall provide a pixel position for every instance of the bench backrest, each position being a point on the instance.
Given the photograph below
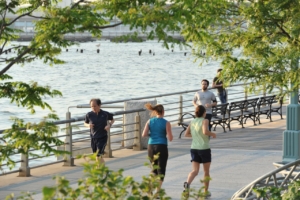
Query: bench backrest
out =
(237, 105)
(266, 101)
(251, 103)
(219, 109)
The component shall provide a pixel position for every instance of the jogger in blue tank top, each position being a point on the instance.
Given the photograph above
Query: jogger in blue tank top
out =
(158, 130)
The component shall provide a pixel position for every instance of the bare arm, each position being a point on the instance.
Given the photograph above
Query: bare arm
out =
(194, 103)
(169, 131)
(214, 85)
(88, 125)
(109, 125)
(188, 132)
(205, 129)
(211, 105)
(214, 104)
(146, 130)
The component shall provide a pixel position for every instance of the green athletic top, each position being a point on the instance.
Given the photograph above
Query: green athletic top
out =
(200, 141)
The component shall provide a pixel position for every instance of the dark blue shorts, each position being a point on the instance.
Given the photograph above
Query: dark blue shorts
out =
(201, 156)
(98, 145)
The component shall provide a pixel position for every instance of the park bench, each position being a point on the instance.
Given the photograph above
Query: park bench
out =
(219, 116)
(235, 112)
(241, 111)
(251, 110)
(184, 124)
(268, 105)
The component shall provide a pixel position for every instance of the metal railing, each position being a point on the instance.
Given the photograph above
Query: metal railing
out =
(78, 141)
(279, 178)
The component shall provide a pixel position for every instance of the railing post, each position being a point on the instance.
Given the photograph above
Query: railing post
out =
(180, 109)
(123, 129)
(69, 160)
(108, 151)
(24, 168)
(137, 146)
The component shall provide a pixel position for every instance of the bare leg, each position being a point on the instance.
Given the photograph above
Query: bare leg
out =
(194, 172)
(206, 167)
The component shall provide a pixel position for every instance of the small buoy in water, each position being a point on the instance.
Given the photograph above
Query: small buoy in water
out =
(184, 53)
(153, 54)
(98, 51)
(81, 51)
(150, 51)
(172, 50)
(140, 52)
(67, 50)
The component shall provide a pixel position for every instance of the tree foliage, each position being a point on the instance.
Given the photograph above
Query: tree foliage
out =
(256, 41)
(26, 138)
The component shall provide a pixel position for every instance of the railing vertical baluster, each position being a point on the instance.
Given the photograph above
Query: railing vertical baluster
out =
(108, 151)
(180, 109)
(137, 143)
(69, 160)
(123, 129)
(24, 168)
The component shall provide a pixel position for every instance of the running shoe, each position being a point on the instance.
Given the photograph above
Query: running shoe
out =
(186, 190)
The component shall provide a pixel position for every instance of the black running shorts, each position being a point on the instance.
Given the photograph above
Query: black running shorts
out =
(201, 156)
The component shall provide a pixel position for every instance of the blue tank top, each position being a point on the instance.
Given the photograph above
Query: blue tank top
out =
(158, 132)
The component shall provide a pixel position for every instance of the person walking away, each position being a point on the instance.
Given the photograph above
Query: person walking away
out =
(159, 130)
(200, 149)
(205, 98)
(217, 83)
(99, 122)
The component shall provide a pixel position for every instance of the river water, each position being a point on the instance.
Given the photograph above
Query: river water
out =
(117, 72)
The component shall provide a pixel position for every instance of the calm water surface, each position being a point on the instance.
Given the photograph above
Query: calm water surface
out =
(117, 72)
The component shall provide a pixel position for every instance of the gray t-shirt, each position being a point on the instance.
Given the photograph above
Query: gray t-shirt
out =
(202, 98)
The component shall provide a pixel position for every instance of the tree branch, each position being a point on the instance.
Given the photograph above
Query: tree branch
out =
(36, 17)
(5, 69)
(20, 16)
(77, 3)
(108, 26)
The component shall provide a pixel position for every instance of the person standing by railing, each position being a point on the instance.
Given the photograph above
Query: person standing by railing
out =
(160, 130)
(97, 120)
(205, 98)
(200, 149)
(218, 84)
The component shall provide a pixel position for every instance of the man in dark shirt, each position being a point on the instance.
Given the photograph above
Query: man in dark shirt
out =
(217, 83)
(99, 122)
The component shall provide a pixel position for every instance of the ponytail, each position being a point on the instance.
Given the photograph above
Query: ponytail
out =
(156, 110)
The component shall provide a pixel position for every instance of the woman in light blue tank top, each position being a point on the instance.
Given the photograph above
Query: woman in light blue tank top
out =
(158, 130)
(200, 149)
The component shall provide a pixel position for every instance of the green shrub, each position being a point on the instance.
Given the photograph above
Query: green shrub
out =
(274, 193)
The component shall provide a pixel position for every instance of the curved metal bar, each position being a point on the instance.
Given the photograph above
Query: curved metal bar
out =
(279, 178)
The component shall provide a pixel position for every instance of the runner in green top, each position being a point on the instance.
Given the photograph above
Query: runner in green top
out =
(200, 150)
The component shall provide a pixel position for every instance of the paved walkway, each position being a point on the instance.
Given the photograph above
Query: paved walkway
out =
(239, 157)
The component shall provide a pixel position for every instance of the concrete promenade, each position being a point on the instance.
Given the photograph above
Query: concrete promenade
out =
(238, 157)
